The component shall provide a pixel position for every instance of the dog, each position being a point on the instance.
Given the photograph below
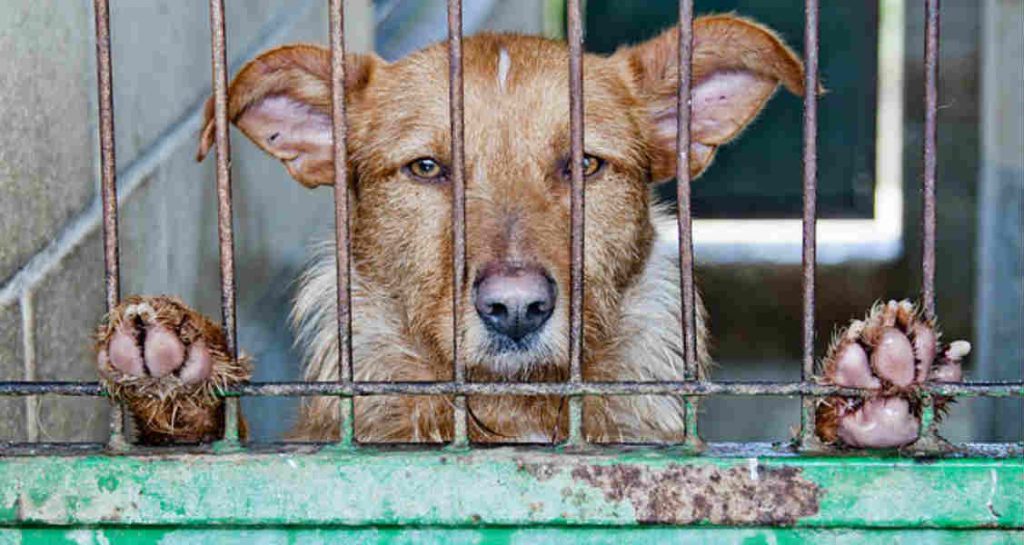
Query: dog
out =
(167, 362)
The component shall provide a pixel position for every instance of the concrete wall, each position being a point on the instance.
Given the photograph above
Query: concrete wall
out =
(1000, 266)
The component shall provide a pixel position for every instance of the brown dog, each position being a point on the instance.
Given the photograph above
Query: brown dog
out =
(164, 359)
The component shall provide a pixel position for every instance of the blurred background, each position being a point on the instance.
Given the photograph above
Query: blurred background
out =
(747, 231)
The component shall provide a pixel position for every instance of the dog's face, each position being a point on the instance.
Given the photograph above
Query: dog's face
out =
(517, 146)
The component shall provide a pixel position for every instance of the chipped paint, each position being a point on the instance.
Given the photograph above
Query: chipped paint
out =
(690, 494)
(507, 536)
(510, 488)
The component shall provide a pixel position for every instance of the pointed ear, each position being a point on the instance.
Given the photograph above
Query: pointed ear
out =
(737, 65)
(281, 100)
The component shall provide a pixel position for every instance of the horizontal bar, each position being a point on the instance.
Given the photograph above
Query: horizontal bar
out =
(510, 487)
(714, 449)
(285, 389)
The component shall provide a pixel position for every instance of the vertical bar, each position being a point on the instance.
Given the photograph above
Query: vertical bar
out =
(28, 339)
(931, 98)
(575, 21)
(108, 186)
(342, 244)
(685, 212)
(108, 163)
(810, 195)
(928, 438)
(456, 110)
(225, 231)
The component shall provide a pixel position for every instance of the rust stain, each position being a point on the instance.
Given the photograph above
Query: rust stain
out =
(687, 494)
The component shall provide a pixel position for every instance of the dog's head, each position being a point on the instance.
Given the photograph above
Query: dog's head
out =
(516, 170)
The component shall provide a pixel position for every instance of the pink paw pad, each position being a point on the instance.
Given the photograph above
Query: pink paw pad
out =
(141, 347)
(879, 423)
(892, 352)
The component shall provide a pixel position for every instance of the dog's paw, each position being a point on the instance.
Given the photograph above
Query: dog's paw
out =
(891, 352)
(167, 362)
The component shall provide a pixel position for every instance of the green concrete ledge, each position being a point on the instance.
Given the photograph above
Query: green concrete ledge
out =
(504, 536)
(506, 488)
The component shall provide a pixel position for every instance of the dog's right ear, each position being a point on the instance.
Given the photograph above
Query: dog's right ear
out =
(281, 100)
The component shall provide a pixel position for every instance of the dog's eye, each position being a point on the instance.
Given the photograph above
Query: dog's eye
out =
(591, 166)
(426, 168)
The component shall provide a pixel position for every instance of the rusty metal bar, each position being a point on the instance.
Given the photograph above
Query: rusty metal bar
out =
(928, 437)
(457, 109)
(931, 99)
(685, 214)
(685, 224)
(225, 229)
(108, 162)
(810, 216)
(108, 187)
(694, 388)
(575, 23)
(342, 243)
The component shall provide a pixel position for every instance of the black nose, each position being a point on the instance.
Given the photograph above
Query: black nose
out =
(514, 300)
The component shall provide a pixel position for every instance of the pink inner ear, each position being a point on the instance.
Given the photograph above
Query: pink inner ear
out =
(724, 102)
(281, 124)
(291, 131)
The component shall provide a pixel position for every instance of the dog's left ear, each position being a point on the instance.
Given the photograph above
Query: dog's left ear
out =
(737, 65)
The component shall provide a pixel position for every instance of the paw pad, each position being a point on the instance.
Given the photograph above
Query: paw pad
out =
(167, 362)
(892, 351)
(158, 338)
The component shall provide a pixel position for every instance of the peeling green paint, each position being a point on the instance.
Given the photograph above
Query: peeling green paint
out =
(509, 488)
(502, 536)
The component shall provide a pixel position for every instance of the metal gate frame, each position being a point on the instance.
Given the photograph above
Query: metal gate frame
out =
(785, 493)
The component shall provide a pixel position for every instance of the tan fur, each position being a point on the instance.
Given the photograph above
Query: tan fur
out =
(165, 409)
(516, 152)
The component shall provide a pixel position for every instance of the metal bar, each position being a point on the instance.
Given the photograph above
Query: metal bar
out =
(457, 109)
(28, 332)
(108, 187)
(342, 243)
(685, 224)
(928, 437)
(575, 23)
(692, 388)
(810, 216)
(225, 229)
(108, 163)
(685, 215)
(773, 450)
(931, 99)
